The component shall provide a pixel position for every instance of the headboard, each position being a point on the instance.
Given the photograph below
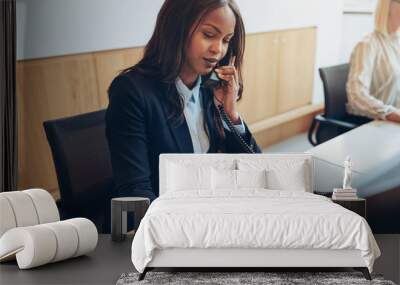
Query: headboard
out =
(231, 159)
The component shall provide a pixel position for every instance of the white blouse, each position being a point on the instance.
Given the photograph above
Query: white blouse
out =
(373, 86)
(194, 116)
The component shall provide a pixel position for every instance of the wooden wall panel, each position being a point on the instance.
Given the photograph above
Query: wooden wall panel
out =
(60, 87)
(278, 73)
(296, 68)
(109, 64)
(284, 131)
(50, 89)
(64, 86)
(22, 141)
(260, 76)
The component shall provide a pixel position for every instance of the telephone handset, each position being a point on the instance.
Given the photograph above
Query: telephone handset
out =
(213, 81)
(235, 132)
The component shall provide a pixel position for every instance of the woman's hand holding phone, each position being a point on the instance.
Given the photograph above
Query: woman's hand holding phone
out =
(227, 93)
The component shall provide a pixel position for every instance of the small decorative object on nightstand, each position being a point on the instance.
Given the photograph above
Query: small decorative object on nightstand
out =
(346, 192)
(347, 173)
(119, 209)
(357, 205)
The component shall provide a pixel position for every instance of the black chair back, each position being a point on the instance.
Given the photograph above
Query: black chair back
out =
(335, 120)
(334, 80)
(83, 166)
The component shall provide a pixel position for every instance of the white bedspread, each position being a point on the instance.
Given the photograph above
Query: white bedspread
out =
(250, 218)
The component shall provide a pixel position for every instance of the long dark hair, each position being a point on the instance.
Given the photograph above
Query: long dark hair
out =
(164, 54)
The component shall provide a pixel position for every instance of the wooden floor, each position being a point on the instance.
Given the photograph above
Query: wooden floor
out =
(106, 264)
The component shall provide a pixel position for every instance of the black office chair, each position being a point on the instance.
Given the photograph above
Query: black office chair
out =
(83, 166)
(335, 120)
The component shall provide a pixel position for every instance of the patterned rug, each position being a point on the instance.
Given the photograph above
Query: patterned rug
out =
(243, 278)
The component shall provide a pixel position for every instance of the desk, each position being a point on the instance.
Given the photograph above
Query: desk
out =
(102, 266)
(375, 152)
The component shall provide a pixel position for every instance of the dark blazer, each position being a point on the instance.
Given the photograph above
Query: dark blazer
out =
(138, 132)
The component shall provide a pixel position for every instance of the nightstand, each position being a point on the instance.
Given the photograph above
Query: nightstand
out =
(358, 205)
(119, 209)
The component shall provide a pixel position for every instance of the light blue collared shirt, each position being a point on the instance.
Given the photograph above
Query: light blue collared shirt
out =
(194, 116)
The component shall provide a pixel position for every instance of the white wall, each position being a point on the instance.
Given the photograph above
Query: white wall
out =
(358, 21)
(58, 27)
(355, 27)
(329, 40)
(359, 5)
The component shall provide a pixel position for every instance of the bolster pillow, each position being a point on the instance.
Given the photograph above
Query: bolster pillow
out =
(26, 208)
(40, 244)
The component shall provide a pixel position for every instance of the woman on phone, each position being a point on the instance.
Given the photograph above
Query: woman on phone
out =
(161, 105)
(373, 87)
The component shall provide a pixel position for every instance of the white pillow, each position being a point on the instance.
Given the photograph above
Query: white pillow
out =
(226, 179)
(223, 179)
(188, 177)
(282, 173)
(293, 179)
(251, 178)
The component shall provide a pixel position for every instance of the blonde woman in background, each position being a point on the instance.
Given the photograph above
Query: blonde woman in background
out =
(373, 87)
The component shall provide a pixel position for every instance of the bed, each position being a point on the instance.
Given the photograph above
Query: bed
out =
(247, 210)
